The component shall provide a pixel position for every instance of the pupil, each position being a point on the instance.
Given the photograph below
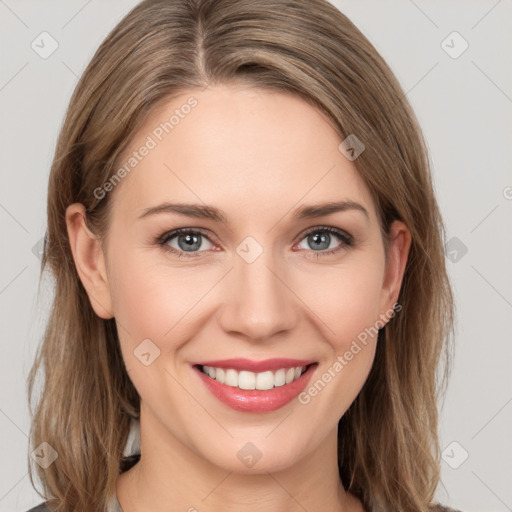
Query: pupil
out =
(319, 239)
(190, 241)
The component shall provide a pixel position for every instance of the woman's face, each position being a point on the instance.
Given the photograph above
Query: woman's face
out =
(261, 272)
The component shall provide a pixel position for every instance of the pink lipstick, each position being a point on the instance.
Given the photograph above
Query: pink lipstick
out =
(255, 386)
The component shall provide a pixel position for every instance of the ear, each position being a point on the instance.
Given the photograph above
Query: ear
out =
(89, 261)
(398, 252)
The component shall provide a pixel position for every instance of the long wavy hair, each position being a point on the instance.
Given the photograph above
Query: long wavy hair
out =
(388, 448)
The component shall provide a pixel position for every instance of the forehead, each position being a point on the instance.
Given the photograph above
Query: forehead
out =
(239, 148)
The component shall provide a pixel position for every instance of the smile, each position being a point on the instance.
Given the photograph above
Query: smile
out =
(250, 380)
(239, 385)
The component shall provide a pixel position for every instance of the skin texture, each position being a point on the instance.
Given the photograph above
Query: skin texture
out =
(257, 155)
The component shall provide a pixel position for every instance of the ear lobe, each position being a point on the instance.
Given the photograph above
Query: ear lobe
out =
(89, 261)
(398, 252)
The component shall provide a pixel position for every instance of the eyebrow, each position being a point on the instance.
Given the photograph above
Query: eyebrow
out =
(201, 211)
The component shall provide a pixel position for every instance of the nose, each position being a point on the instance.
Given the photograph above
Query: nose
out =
(259, 302)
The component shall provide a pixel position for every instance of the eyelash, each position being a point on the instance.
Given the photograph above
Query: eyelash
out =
(163, 240)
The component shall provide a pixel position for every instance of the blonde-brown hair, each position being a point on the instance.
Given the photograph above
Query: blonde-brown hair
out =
(388, 443)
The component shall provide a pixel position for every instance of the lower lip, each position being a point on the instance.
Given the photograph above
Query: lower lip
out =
(254, 400)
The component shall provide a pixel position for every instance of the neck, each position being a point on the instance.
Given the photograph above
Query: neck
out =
(171, 475)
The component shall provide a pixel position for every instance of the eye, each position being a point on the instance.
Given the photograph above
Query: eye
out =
(322, 240)
(185, 241)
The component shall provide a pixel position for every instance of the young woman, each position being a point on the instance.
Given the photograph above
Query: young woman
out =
(251, 301)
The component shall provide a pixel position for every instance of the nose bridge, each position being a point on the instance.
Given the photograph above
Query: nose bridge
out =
(258, 303)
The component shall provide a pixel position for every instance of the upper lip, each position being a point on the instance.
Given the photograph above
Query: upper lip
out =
(250, 365)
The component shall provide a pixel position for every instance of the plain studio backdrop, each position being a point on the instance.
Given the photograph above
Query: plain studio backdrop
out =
(452, 59)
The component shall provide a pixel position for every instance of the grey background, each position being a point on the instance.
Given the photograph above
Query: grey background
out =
(464, 105)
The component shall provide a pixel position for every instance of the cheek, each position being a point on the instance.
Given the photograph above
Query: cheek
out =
(153, 302)
(346, 298)
(347, 301)
(150, 298)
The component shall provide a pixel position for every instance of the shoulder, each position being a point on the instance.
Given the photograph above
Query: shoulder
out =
(43, 507)
(440, 508)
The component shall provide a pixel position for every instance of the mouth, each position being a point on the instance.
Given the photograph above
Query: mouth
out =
(250, 380)
(255, 391)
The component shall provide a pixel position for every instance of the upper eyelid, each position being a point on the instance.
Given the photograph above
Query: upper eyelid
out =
(181, 231)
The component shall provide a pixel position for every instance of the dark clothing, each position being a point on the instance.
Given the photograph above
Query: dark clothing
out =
(43, 508)
(40, 508)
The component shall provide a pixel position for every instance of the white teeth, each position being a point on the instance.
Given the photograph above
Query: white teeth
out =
(220, 375)
(280, 377)
(247, 380)
(231, 378)
(264, 380)
(250, 380)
